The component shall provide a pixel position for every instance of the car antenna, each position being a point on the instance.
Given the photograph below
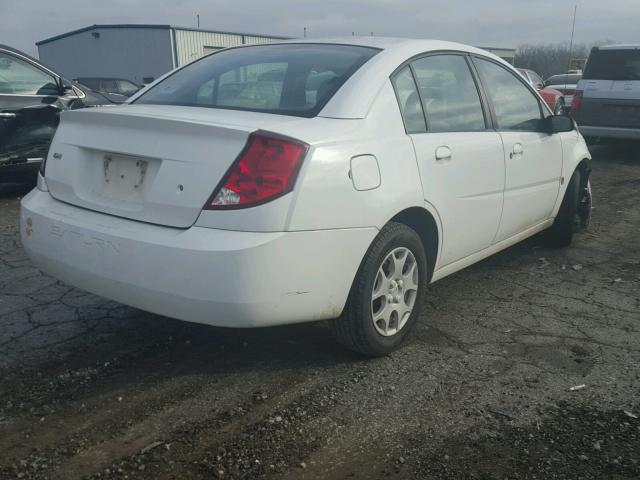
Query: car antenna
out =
(573, 31)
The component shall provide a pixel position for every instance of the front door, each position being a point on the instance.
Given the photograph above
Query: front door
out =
(533, 158)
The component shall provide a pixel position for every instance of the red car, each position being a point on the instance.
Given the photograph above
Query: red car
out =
(551, 96)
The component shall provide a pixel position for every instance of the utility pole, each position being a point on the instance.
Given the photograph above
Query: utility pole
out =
(198, 20)
(305, 32)
(573, 31)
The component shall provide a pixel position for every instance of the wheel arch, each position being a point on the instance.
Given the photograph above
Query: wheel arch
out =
(584, 207)
(584, 166)
(425, 224)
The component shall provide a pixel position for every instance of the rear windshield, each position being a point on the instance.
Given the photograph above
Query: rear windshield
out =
(623, 64)
(561, 79)
(92, 83)
(289, 79)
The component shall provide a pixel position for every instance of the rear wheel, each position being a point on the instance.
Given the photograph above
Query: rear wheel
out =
(386, 296)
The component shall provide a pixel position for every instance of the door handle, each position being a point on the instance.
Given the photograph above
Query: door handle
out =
(7, 115)
(443, 153)
(517, 151)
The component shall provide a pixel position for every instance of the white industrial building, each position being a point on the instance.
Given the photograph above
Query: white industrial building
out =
(139, 53)
(142, 53)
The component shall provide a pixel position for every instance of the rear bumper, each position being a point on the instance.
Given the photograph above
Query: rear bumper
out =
(204, 275)
(610, 132)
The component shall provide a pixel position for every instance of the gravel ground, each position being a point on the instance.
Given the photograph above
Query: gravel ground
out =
(93, 389)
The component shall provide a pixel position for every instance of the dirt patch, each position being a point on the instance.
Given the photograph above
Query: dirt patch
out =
(571, 442)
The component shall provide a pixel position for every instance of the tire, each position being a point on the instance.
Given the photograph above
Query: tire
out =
(395, 245)
(567, 222)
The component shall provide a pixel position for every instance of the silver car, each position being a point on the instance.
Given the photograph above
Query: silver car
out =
(607, 99)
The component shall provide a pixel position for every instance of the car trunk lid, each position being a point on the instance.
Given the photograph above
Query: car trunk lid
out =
(151, 163)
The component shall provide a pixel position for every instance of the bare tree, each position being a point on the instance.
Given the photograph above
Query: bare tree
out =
(552, 59)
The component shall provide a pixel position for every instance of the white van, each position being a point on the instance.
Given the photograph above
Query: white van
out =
(607, 99)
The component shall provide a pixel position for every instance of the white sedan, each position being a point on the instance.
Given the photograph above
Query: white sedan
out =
(306, 180)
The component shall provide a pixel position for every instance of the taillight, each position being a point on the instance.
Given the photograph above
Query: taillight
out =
(577, 101)
(266, 169)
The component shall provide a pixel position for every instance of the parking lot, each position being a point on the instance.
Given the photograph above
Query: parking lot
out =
(522, 366)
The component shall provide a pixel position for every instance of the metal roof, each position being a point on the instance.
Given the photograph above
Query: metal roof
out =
(152, 26)
(620, 47)
(507, 49)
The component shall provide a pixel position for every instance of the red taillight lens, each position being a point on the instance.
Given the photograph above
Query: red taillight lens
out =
(577, 101)
(266, 169)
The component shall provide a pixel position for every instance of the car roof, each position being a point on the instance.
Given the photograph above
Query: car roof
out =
(15, 50)
(355, 97)
(628, 46)
(390, 43)
(103, 78)
(21, 53)
(370, 78)
(28, 57)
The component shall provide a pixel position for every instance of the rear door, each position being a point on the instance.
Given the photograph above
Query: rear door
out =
(533, 158)
(611, 89)
(460, 159)
(28, 110)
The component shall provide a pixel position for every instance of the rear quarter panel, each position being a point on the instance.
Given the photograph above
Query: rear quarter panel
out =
(326, 197)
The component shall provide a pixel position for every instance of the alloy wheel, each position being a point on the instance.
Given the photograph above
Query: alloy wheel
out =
(394, 291)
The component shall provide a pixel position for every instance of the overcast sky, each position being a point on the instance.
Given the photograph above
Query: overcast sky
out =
(503, 23)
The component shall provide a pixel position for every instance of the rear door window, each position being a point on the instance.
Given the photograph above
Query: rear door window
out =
(290, 79)
(409, 101)
(606, 64)
(449, 94)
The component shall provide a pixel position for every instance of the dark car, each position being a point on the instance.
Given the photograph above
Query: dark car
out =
(110, 86)
(31, 98)
(607, 99)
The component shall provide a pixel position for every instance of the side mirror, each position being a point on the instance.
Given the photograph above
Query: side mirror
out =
(539, 86)
(558, 124)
